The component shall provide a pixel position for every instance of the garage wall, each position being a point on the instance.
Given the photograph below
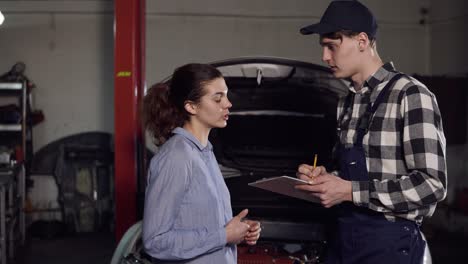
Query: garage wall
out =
(68, 51)
(449, 42)
(449, 37)
(206, 30)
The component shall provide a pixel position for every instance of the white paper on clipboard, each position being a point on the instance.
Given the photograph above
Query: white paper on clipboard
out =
(284, 185)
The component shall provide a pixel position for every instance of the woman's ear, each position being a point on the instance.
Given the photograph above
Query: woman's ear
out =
(190, 107)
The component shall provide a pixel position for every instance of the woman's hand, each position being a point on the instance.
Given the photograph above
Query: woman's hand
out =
(236, 230)
(253, 233)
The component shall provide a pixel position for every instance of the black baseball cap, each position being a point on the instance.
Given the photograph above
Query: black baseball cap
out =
(344, 15)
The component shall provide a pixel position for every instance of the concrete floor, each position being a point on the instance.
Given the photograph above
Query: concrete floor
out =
(97, 248)
(91, 248)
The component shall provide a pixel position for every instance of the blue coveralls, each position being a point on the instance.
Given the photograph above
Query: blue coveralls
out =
(362, 235)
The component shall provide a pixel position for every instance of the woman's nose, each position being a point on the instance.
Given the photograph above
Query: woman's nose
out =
(229, 104)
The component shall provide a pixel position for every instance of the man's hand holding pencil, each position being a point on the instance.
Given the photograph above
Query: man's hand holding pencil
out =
(309, 173)
(330, 189)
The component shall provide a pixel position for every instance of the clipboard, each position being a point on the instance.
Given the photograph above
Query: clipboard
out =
(284, 185)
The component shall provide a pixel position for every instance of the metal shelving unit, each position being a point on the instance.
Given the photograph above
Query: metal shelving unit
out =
(13, 173)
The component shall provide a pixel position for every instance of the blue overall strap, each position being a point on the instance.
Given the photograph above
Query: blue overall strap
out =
(364, 121)
(346, 109)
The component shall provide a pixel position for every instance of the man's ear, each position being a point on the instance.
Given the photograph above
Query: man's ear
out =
(190, 107)
(363, 41)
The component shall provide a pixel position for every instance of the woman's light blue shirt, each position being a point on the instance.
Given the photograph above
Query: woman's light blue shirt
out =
(187, 204)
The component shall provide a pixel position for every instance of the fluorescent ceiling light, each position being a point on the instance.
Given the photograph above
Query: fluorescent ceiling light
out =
(2, 18)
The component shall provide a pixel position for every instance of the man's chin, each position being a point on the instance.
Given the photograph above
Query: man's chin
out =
(340, 75)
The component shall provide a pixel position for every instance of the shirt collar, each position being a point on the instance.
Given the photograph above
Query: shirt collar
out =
(181, 131)
(381, 75)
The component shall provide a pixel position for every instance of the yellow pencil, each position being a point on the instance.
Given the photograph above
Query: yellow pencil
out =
(315, 161)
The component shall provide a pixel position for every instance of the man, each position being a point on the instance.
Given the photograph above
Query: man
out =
(391, 149)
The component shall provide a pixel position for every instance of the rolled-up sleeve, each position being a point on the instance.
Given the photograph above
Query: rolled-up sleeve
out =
(169, 178)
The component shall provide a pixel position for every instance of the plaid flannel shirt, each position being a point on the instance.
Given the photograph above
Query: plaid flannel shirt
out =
(405, 147)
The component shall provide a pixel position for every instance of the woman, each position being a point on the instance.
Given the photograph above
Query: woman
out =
(188, 217)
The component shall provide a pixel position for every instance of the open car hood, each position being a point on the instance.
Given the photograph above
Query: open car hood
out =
(283, 113)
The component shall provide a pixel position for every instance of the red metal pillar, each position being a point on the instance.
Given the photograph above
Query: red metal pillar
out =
(129, 70)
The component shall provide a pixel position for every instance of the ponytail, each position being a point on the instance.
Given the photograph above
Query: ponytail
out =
(160, 115)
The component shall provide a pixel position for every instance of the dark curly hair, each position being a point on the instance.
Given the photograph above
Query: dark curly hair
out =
(163, 105)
